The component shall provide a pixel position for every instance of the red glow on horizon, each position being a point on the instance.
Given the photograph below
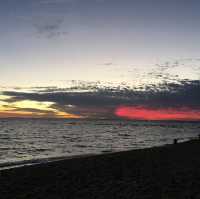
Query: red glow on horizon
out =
(143, 113)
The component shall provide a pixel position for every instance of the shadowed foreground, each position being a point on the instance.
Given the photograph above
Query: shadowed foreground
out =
(169, 172)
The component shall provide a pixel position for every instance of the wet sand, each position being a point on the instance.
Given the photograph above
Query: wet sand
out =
(168, 172)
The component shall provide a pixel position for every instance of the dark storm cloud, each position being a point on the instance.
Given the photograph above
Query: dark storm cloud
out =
(184, 94)
(86, 111)
(103, 101)
(99, 98)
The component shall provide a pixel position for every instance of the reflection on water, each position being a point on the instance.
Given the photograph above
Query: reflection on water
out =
(32, 139)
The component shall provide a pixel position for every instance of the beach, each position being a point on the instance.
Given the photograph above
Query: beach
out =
(167, 172)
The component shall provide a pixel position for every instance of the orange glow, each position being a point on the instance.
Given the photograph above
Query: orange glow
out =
(22, 109)
(8, 114)
(143, 113)
(67, 115)
(16, 114)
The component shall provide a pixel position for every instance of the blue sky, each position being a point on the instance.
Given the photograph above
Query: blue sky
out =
(150, 45)
(46, 41)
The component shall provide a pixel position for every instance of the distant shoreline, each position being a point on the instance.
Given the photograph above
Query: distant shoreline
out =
(98, 119)
(170, 171)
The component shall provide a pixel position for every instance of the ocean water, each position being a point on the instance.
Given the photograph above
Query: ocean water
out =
(29, 141)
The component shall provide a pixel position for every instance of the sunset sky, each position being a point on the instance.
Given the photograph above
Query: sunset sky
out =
(100, 59)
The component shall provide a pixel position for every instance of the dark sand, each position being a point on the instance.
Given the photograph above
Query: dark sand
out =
(169, 172)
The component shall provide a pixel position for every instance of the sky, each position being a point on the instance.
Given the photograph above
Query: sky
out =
(100, 59)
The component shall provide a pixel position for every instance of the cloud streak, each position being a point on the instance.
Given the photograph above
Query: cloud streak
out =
(50, 29)
(102, 102)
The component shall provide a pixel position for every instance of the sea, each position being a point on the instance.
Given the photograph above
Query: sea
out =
(34, 141)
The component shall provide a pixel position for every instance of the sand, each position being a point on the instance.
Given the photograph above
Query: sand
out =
(168, 172)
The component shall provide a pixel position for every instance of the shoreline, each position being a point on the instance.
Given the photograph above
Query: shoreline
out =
(45, 160)
(169, 171)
